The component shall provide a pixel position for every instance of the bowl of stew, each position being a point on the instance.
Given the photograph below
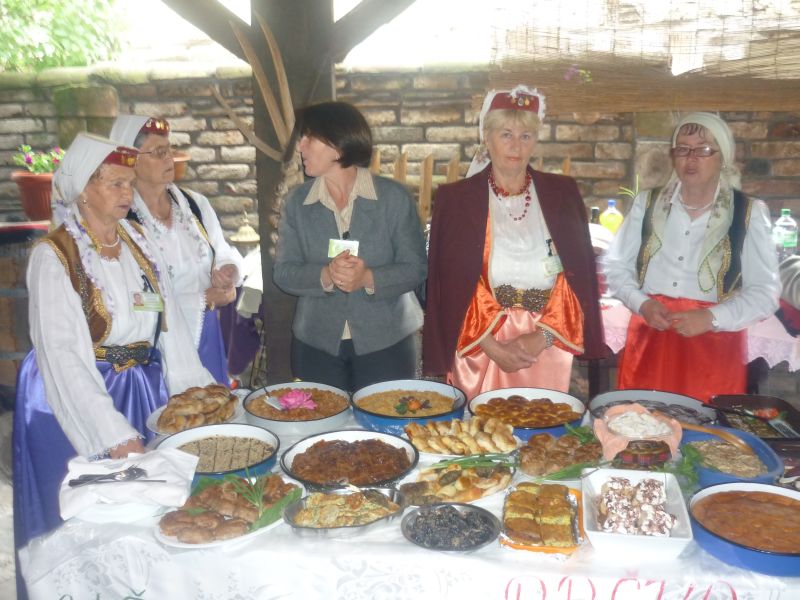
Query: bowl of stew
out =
(753, 526)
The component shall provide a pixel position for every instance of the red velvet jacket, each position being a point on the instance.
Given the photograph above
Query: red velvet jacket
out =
(455, 257)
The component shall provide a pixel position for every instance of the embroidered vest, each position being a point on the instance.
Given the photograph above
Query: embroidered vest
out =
(729, 279)
(97, 317)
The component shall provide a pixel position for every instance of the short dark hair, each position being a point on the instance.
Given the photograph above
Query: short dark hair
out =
(341, 126)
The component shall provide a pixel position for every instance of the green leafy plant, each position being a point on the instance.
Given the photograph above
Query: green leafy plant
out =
(38, 162)
(40, 34)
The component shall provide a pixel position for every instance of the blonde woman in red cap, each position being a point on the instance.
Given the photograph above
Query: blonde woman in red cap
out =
(512, 288)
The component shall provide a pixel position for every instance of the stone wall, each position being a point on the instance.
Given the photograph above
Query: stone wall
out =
(419, 113)
(49, 108)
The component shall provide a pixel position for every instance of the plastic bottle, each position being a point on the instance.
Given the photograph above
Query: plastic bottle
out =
(784, 234)
(595, 218)
(611, 218)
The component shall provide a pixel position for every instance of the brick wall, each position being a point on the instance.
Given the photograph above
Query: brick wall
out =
(419, 113)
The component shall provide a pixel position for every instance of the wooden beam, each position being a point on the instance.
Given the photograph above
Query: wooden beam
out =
(425, 190)
(212, 18)
(357, 25)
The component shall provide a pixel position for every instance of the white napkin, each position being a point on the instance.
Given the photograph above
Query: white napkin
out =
(173, 465)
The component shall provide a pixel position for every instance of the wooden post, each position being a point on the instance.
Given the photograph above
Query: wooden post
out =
(566, 166)
(375, 163)
(425, 189)
(401, 168)
(452, 169)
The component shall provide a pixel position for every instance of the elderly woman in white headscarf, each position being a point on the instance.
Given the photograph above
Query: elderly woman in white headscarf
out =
(695, 263)
(109, 346)
(203, 268)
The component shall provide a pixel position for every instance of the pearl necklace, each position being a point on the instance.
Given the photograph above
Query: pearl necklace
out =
(687, 207)
(114, 245)
(501, 193)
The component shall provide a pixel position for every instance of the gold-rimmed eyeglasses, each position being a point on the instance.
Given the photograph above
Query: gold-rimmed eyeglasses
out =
(159, 153)
(698, 152)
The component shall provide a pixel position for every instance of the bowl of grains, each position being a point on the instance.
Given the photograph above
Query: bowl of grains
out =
(227, 449)
(298, 408)
(391, 405)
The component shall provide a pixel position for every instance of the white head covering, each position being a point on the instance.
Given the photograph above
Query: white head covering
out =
(724, 138)
(481, 158)
(86, 153)
(126, 128)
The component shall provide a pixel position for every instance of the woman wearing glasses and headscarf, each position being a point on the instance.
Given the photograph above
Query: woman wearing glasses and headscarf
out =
(105, 331)
(204, 269)
(695, 263)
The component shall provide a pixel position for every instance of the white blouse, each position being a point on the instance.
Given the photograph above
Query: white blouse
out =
(185, 254)
(673, 269)
(519, 248)
(74, 387)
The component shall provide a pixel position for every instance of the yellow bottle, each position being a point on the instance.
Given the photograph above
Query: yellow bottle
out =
(611, 218)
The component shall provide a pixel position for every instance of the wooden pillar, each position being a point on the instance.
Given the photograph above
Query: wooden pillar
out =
(302, 30)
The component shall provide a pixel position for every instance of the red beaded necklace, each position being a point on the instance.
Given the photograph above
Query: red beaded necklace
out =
(501, 193)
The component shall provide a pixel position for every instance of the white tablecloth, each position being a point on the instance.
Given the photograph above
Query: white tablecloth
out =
(767, 339)
(84, 560)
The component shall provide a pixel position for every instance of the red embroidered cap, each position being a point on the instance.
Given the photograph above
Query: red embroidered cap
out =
(519, 101)
(122, 156)
(156, 126)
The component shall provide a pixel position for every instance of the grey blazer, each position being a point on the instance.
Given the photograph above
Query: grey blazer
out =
(391, 243)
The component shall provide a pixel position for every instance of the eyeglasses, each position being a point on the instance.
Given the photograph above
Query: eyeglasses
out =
(159, 153)
(699, 151)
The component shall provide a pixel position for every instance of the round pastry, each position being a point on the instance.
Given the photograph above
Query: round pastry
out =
(643, 454)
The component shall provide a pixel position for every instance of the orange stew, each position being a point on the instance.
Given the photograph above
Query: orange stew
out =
(758, 520)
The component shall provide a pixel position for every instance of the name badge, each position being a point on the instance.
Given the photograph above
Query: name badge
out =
(147, 301)
(552, 266)
(336, 246)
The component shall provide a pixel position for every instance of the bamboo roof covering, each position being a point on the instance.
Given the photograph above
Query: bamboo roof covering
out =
(620, 56)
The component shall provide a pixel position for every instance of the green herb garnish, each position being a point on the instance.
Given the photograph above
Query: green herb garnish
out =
(409, 404)
(584, 433)
(480, 460)
(685, 468)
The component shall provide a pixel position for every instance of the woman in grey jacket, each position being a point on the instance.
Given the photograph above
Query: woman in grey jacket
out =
(351, 249)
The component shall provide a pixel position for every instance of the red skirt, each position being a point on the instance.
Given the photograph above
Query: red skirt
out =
(701, 367)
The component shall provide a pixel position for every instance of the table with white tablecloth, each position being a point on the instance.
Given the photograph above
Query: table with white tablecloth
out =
(84, 560)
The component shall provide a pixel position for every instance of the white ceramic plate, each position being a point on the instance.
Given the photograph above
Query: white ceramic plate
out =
(635, 547)
(654, 396)
(152, 420)
(298, 428)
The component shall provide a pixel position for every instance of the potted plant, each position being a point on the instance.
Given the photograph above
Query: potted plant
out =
(35, 183)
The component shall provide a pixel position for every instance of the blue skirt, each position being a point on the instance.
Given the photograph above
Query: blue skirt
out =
(212, 348)
(41, 451)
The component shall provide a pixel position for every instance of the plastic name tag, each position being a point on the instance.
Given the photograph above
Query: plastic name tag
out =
(147, 301)
(552, 265)
(337, 246)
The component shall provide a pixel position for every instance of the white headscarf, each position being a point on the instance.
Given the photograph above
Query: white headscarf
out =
(126, 128)
(86, 153)
(724, 138)
(481, 158)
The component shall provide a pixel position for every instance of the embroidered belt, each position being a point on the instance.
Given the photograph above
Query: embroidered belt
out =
(124, 357)
(533, 300)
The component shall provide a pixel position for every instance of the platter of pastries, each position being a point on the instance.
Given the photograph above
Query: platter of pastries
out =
(344, 512)
(196, 406)
(542, 517)
(226, 510)
(478, 435)
(456, 483)
(545, 454)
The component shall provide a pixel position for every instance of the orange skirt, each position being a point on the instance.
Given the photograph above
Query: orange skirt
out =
(701, 367)
(477, 373)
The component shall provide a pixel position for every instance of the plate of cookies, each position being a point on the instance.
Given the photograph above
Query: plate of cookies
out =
(458, 437)
(196, 406)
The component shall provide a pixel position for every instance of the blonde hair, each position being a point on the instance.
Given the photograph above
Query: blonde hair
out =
(496, 119)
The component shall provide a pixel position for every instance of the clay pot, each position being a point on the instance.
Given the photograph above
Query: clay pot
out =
(180, 159)
(34, 191)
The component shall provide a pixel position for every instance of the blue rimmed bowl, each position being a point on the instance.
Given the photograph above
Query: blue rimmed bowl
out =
(780, 564)
(233, 430)
(708, 476)
(396, 425)
(556, 397)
